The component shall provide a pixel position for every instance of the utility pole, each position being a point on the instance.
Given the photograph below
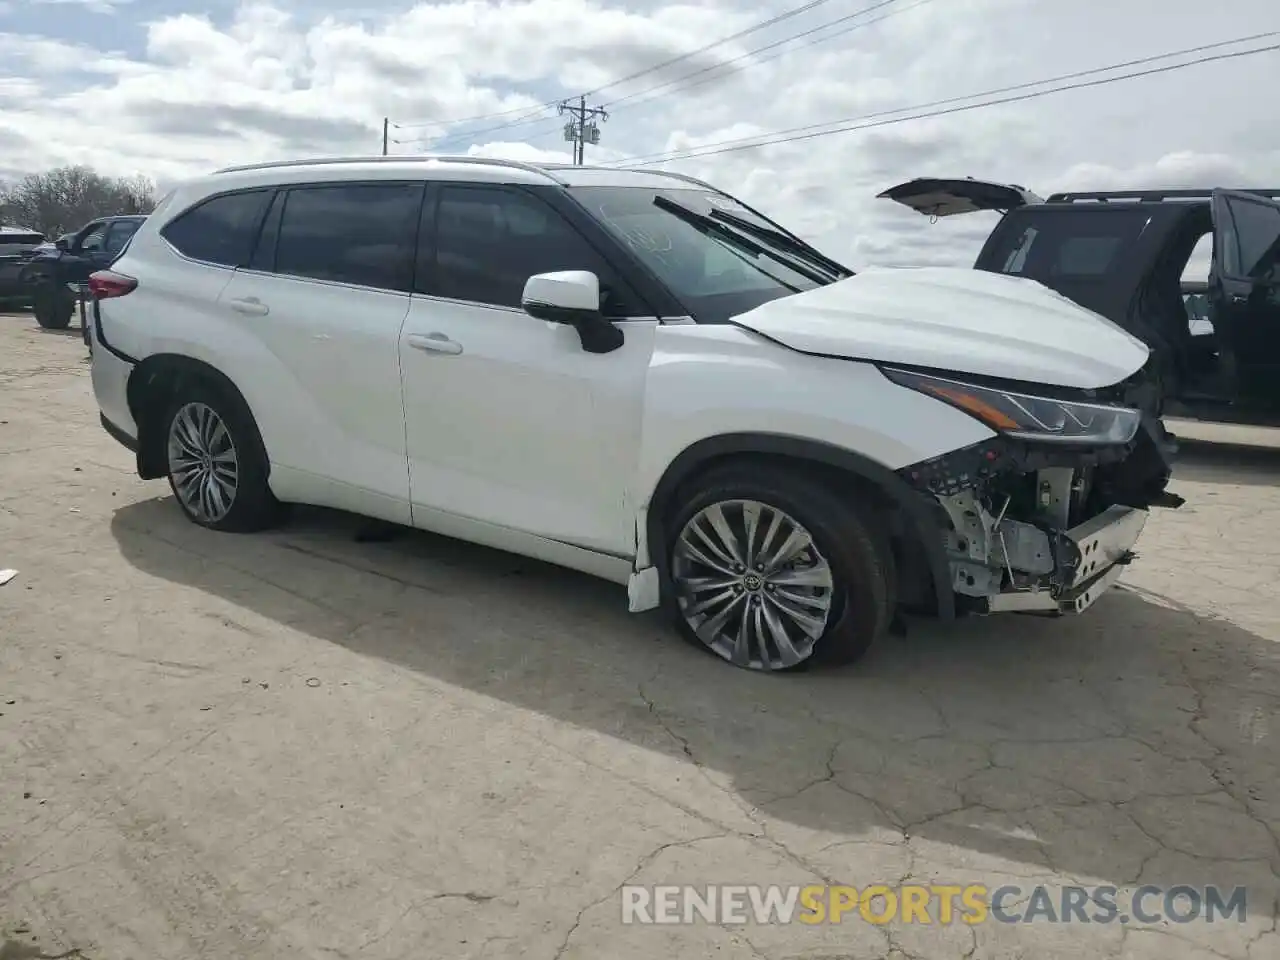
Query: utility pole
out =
(386, 126)
(582, 129)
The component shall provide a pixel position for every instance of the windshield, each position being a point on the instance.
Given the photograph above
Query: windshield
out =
(708, 268)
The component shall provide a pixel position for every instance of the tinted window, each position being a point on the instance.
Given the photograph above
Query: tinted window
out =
(1257, 233)
(351, 233)
(490, 240)
(1077, 243)
(221, 230)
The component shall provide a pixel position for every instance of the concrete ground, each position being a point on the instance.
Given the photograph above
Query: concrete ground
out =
(299, 745)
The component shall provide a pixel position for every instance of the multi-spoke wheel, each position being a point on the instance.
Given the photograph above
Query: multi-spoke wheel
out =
(771, 571)
(216, 463)
(203, 462)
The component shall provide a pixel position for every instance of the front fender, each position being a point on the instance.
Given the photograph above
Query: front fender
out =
(715, 391)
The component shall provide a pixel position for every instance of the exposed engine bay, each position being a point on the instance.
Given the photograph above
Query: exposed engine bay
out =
(1040, 528)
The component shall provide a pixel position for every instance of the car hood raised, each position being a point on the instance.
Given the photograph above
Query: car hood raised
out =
(959, 320)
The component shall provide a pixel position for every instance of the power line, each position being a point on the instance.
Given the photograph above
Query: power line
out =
(551, 104)
(678, 82)
(534, 118)
(785, 15)
(683, 87)
(848, 124)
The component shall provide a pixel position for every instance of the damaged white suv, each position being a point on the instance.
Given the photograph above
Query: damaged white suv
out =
(634, 375)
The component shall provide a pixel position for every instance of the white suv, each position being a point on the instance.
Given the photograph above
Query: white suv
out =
(634, 375)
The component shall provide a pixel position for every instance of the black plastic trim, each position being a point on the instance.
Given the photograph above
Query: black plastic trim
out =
(122, 438)
(917, 507)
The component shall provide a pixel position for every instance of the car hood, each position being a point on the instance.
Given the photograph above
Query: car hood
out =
(959, 320)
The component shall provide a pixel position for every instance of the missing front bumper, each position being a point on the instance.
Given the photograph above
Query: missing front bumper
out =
(1105, 547)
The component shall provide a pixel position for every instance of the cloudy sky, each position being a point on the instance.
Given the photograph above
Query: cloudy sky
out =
(169, 88)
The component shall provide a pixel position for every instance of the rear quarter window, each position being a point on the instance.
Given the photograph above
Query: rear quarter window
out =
(221, 230)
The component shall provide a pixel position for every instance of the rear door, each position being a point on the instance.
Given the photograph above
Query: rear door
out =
(325, 293)
(945, 198)
(1244, 289)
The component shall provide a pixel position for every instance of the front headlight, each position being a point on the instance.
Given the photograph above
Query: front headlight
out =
(1027, 417)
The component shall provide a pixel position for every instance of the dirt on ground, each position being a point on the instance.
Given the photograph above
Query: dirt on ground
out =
(301, 745)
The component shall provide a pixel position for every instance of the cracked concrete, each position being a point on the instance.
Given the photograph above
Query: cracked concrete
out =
(301, 745)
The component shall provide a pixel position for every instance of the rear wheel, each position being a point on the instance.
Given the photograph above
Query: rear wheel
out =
(772, 571)
(217, 466)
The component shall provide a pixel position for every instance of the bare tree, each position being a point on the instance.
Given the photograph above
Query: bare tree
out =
(62, 199)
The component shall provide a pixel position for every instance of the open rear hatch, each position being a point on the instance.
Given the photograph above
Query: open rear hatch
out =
(946, 198)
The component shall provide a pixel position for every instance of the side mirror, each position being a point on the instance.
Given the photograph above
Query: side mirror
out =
(572, 297)
(62, 243)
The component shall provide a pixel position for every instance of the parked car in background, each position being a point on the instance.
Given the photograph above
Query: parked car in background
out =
(17, 246)
(1123, 254)
(633, 374)
(57, 272)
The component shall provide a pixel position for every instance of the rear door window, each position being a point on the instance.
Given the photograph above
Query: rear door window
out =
(221, 230)
(361, 234)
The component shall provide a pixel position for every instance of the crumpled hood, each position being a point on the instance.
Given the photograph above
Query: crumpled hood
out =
(959, 320)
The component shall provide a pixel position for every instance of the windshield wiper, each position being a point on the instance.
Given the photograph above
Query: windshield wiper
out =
(731, 239)
(734, 236)
(787, 241)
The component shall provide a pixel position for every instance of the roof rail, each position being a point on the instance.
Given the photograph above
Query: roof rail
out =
(681, 176)
(1149, 196)
(325, 161)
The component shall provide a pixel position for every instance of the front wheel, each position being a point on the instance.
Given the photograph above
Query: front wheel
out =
(772, 571)
(53, 312)
(217, 465)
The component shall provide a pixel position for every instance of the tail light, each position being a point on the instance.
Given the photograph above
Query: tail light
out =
(106, 284)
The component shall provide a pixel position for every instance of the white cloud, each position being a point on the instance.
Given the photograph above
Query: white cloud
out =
(271, 82)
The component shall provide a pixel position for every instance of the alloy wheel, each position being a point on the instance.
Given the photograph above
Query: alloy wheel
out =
(752, 584)
(203, 463)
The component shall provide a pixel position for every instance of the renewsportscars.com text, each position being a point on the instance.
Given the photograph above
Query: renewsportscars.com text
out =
(932, 904)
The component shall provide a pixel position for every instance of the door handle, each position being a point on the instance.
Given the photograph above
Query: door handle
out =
(249, 306)
(435, 343)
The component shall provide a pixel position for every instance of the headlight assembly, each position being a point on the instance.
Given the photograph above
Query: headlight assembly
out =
(1026, 417)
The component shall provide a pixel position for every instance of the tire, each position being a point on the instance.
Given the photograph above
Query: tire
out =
(858, 568)
(192, 436)
(53, 312)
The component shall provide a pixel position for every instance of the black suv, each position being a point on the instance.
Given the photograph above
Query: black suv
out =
(1122, 254)
(56, 272)
(17, 246)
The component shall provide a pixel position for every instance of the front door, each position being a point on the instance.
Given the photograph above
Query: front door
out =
(509, 421)
(1244, 292)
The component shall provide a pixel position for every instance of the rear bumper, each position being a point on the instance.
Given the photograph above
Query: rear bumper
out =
(111, 374)
(1103, 548)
